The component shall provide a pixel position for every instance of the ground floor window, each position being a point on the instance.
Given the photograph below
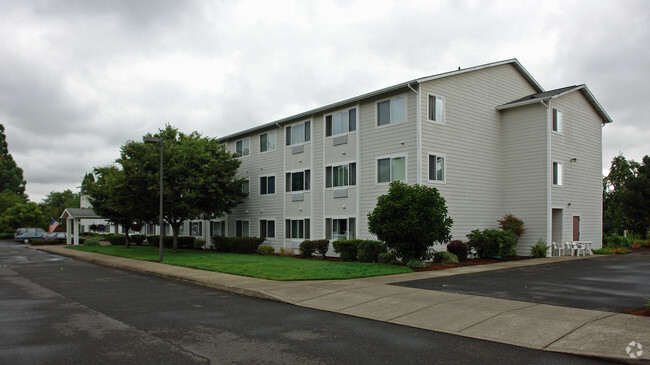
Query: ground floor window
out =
(340, 228)
(297, 228)
(241, 229)
(217, 229)
(267, 228)
(196, 229)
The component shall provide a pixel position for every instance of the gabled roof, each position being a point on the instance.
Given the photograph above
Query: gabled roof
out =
(86, 213)
(514, 62)
(552, 94)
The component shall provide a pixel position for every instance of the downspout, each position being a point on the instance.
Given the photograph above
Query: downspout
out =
(549, 173)
(418, 136)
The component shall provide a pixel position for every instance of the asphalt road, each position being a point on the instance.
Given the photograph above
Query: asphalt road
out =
(56, 310)
(616, 283)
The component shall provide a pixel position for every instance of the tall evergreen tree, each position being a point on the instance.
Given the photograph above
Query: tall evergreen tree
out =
(636, 199)
(11, 176)
(615, 219)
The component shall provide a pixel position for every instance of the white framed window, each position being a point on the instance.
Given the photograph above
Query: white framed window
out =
(297, 181)
(340, 228)
(218, 228)
(267, 141)
(436, 109)
(267, 228)
(557, 174)
(267, 185)
(557, 120)
(245, 187)
(391, 169)
(341, 122)
(243, 147)
(437, 167)
(242, 229)
(196, 229)
(391, 111)
(297, 228)
(341, 175)
(298, 133)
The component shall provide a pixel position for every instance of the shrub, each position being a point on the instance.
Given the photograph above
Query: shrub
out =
(117, 239)
(410, 219)
(414, 264)
(387, 258)
(512, 224)
(236, 244)
(322, 246)
(6, 236)
(286, 252)
(458, 248)
(199, 244)
(306, 248)
(444, 257)
(93, 241)
(41, 243)
(611, 251)
(492, 243)
(184, 242)
(539, 249)
(616, 241)
(369, 250)
(265, 250)
(138, 239)
(347, 249)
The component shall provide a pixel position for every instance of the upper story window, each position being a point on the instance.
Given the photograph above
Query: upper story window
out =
(267, 185)
(341, 175)
(391, 111)
(242, 147)
(297, 181)
(557, 173)
(436, 168)
(267, 141)
(557, 120)
(342, 122)
(436, 109)
(298, 133)
(391, 169)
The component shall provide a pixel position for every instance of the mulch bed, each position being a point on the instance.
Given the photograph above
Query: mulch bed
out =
(470, 262)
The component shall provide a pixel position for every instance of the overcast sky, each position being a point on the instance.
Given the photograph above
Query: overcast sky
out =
(80, 78)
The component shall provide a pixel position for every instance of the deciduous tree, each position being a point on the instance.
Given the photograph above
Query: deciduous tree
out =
(11, 176)
(636, 199)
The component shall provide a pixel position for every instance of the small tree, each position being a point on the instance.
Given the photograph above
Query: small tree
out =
(410, 219)
(512, 224)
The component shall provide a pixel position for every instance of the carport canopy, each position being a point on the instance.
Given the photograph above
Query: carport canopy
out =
(72, 216)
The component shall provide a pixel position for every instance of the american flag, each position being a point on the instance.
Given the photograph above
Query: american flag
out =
(53, 225)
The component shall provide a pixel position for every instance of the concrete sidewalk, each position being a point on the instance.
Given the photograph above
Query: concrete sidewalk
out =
(538, 326)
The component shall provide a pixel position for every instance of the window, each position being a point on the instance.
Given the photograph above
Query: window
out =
(267, 228)
(340, 228)
(391, 169)
(436, 109)
(297, 181)
(245, 187)
(267, 141)
(217, 229)
(342, 122)
(242, 147)
(391, 111)
(196, 229)
(297, 228)
(436, 168)
(267, 185)
(241, 229)
(557, 173)
(342, 175)
(298, 133)
(557, 120)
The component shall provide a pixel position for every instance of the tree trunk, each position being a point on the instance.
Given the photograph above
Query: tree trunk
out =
(126, 233)
(176, 226)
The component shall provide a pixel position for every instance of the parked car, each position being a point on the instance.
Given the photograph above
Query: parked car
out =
(55, 237)
(27, 235)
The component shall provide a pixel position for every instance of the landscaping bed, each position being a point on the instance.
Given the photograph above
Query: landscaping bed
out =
(470, 262)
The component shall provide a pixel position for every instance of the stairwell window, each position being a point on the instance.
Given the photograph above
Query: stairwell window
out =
(557, 174)
(436, 167)
(391, 169)
(298, 133)
(557, 120)
(339, 123)
(242, 147)
(267, 141)
(391, 111)
(436, 109)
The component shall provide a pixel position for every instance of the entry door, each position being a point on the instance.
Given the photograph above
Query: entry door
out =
(576, 228)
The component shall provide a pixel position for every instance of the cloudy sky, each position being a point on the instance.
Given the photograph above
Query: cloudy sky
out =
(79, 78)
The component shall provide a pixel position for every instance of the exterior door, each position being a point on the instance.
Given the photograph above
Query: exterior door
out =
(576, 228)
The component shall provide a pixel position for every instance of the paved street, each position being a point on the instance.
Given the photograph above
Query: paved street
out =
(616, 283)
(57, 310)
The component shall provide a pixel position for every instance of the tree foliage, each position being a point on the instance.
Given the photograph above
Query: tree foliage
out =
(11, 176)
(615, 184)
(410, 219)
(636, 199)
(22, 215)
(512, 224)
(55, 203)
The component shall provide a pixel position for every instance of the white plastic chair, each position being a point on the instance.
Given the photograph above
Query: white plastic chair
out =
(569, 248)
(558, 249)
(586, 247)
(579, 248)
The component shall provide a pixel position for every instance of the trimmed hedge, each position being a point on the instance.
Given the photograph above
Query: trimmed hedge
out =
(387, 258)
(444, 257)
(199, 244)
(138, 239)
(6, 236)
(184, 242)
(368, 250)
(265, 250)
(492, 243)
(347, 249)
(322, 246)
(236, 244)
(116, 239)
(306, 248)
(458, 248)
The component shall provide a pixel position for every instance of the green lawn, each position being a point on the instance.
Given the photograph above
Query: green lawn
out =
(263, 267)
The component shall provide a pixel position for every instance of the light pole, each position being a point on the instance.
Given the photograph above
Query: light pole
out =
(160, 218)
